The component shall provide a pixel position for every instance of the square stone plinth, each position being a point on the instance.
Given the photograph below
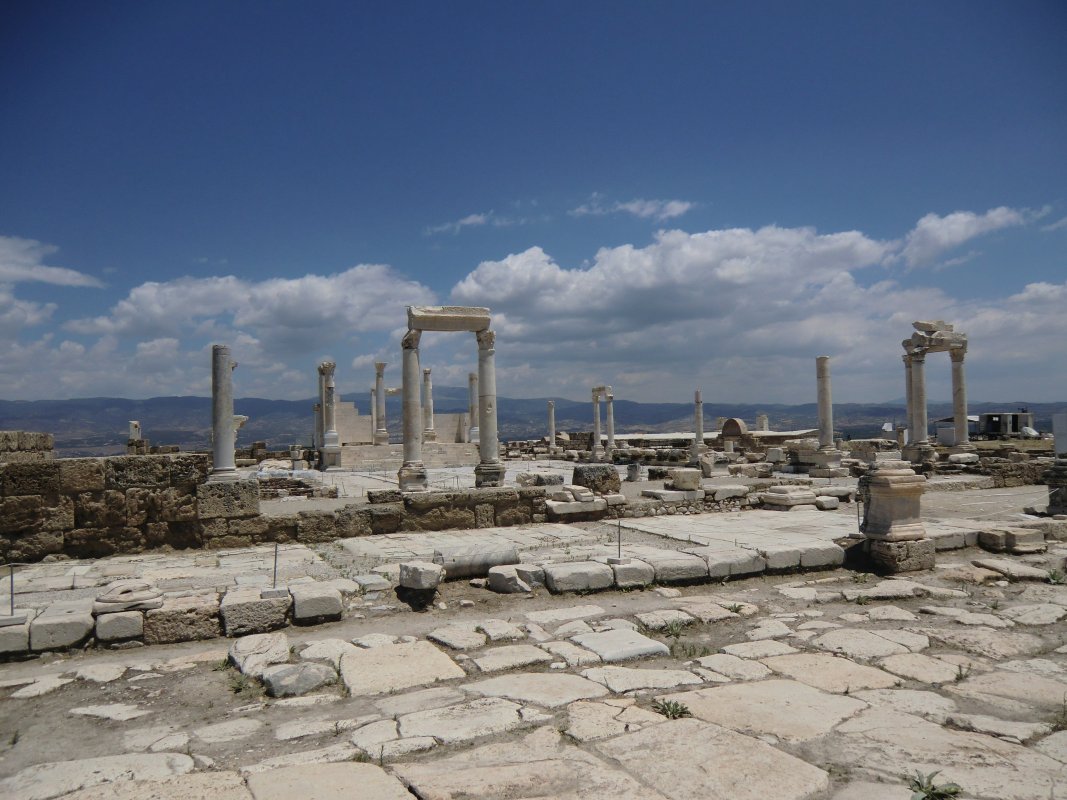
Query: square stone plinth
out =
(227, 500)
(120, 625)
(909, 556)
(247, 611)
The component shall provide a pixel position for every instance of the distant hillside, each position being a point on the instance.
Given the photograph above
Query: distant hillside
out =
(98, 425)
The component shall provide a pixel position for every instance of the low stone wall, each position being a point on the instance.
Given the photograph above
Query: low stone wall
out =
(1015, 473)
(20, 447)
(89, 507)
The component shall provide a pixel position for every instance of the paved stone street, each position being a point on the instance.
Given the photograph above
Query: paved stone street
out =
(825, 683)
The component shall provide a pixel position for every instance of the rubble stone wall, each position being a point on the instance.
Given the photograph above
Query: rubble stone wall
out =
(89, 507)
(20, 447)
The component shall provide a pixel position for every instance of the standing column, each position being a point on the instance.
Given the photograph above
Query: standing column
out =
(918, 390)
(551, 425)
(428, 432)
(224, 466)
(412, 475)
(826, 404)
(490, 472)
(594, 450)
(610, 397)
(959, 397)
(472, 401)
(331, 441)
(909, 398)
(319, 427)
(381, 433)
(698, 427)
(373, 414)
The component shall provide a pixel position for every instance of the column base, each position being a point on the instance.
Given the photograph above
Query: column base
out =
(429, 436)
(381, 437)
(919, 452)
(892, 557)
(489, 475)
(412, 478)
(330, 458)
(966, 447)
(223, 476)
(472, 436)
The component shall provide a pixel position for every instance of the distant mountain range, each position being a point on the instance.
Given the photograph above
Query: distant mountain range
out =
(99, 425)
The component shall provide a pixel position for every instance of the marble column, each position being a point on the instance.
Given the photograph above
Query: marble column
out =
(428, 432)
(551, 425)
(959, 398)
(224, 465)
(762, 422)
(595, 449)
(490, 471)
(698, 428)
(918, 392)
(826, 406)
(412, 475)
(909, 399)
(381, 432)
(319, 428)
(472, 411)
(610, 409)
(373, 414)
(331, 440)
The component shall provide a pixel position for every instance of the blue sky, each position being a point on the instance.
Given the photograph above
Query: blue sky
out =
(658, 197)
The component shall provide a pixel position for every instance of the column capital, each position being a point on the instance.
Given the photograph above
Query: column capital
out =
(551, 403)
(957, 354)
(327, 367)
(426, 371)
(379, 368)
(486, 339)
(918, 357)
(411, 340)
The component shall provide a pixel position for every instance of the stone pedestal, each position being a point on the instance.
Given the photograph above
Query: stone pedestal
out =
(891, 517)
(1056, 478)
(489, 475)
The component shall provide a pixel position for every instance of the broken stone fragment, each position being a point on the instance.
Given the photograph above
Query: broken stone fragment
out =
(128, 595)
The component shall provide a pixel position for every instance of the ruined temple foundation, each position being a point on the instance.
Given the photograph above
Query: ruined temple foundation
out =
(892, 524)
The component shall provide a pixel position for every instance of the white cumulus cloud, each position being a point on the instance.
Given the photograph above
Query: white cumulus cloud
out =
(658, 210)
(933, 234)
(22, 260)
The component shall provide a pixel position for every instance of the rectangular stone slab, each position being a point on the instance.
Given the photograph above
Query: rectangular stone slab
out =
(396, 666)
(448, 318)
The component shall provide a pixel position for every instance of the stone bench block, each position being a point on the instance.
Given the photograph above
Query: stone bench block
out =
(615, 499)
(244, 611)
(562, 509)
(16, 638)
(633, 575)
(506, 580)
(119, 626)
(61, 625)
(673, 567)
(780, 556)
(731, 563)
(313, 602)
(474, 562)
(825, 503)
(531, 573)
(821, 555)
(846, 494)
(421, 575)
(726, 492)
(183, 619)
(578, 576)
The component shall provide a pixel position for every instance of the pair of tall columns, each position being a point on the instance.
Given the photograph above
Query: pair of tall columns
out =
(915, 392)
(224, 463)
(597, 450)
(490, 471)
(331, 440)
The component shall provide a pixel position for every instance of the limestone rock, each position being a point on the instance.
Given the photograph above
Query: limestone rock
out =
(313, 603)
(244, 611)
(253, 654)
(289, 680)
(510, 657)
(464, 721)
(620, 645)
(119, 626)
(128, 595)
(183, 619)
(579, 576)
(56, 778)
(506, 580)
(421, 575)
(625, 679)
(60, 625)
(394, 667)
